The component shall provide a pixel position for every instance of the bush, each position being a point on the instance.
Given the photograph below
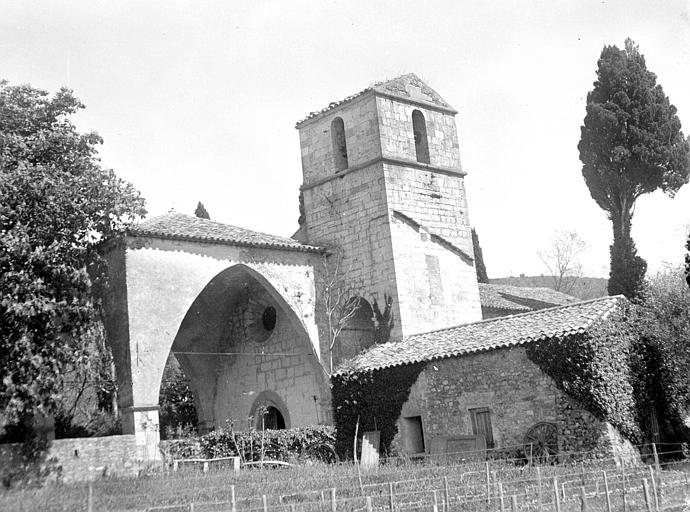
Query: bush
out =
(314, 442)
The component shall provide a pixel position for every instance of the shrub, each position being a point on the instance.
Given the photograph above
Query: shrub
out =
(314, 441)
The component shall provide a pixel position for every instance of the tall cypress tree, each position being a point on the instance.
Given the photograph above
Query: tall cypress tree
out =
(631, 144)
(479, 266)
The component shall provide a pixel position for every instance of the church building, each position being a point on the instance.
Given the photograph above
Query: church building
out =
(384, 248)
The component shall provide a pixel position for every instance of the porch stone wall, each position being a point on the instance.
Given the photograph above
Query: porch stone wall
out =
(80, 460)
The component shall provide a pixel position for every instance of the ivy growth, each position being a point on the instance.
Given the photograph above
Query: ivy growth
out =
(595, 369)
(374, 399)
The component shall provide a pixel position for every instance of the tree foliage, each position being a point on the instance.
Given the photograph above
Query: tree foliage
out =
(479, 265)
(594, 368)
(201, 211)
(663, 323)
(631, 144)
(177, 409)
(56, 205)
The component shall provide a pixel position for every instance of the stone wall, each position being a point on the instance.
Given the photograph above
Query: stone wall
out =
(424, 261)
(361, 132)
(397, 137)
(517, 394)
(78, 460)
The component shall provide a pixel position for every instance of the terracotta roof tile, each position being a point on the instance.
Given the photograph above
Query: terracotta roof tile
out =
(408, 86)
(517, 298)
(484, 335)
(177, 226)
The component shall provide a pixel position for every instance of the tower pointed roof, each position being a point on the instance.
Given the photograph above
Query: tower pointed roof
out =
(408, 87)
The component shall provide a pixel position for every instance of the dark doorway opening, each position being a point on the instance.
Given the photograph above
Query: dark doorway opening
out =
(273, 419)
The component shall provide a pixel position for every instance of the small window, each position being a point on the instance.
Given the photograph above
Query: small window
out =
(414, 435)
(481, 425)
(421, 143)
(339, 144)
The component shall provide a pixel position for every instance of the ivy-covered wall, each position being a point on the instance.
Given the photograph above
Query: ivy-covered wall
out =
(375, 399)
(595, 370)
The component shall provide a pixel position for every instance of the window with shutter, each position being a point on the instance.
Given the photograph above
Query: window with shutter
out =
(481, 425)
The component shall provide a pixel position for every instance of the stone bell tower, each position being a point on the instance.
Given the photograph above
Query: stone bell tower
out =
(383, 183)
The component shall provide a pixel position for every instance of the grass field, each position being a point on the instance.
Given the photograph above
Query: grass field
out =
(398, 484)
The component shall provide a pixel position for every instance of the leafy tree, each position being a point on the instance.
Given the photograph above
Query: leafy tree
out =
(201, 211)
(631, 144)
(561, 258)
(56, 205)
(479, 265)
(663, 321)
(177, 410)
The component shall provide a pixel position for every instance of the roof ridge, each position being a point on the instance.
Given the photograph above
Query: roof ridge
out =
(379, 88)
(202, 219)
(182, 226)
(516, 315)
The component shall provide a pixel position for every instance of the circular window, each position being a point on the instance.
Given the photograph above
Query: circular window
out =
(268, 319)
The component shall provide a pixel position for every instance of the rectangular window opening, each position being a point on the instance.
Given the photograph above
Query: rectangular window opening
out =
(481, 425)
(414, 435)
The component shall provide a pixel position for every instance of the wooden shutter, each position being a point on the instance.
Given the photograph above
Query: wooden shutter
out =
(481, 425)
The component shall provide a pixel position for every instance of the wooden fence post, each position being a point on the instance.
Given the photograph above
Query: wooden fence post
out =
(333, 499)
(606, 488)
(656, 458)
(191, 507)
(514, 507)
(89, 498)
(583, 499)
(233, 503)
(369, 507)
(265, 502)
(647, 499)
(625, 491)
(391, 503)
(488, 484)
(654, 489)
(500, 495)
(539, 487)
(435, 501)
(556, 494)
(446, 492)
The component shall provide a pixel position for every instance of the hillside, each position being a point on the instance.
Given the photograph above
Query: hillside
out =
(584, 288)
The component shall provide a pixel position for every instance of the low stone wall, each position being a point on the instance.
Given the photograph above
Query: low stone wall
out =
(75, 460)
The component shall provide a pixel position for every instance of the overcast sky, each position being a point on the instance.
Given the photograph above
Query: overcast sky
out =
(197, 101)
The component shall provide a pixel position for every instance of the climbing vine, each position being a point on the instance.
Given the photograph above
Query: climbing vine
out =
(595, 369)
(374, 399)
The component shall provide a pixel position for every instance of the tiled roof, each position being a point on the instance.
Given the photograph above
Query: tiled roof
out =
(177, 226)
(484, 335)
(517, 298)
(408, 86)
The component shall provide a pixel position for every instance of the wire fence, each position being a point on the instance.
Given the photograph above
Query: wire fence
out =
(438, 484)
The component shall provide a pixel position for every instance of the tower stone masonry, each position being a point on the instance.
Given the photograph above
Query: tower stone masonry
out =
(390, 196)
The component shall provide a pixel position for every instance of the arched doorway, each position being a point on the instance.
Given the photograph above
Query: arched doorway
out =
(239, 339)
